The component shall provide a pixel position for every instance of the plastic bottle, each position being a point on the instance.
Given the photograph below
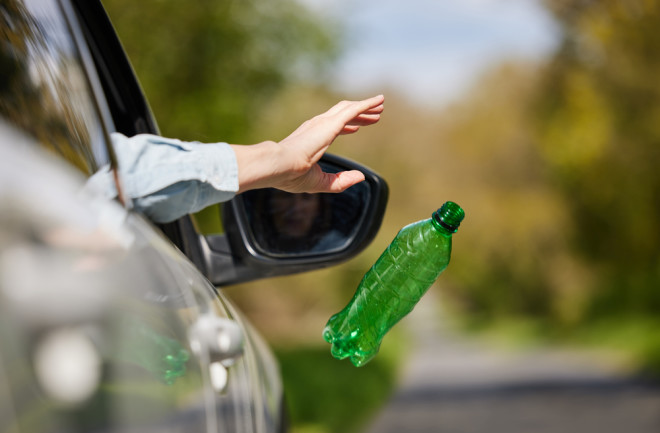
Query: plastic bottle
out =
(393, 286)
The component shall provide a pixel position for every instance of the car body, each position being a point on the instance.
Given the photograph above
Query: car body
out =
(109, 322)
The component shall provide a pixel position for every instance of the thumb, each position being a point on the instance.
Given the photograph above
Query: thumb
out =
(338, 182)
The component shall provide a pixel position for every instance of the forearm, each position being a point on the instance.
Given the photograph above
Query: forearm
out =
(257, 165)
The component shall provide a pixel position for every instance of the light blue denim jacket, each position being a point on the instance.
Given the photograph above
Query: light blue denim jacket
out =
(168, 178)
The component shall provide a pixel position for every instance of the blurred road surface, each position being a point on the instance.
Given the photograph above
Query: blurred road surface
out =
(455, 386)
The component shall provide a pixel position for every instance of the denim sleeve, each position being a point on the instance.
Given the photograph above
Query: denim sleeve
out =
(168, 178)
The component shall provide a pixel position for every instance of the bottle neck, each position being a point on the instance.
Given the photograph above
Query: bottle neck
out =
(441, 227)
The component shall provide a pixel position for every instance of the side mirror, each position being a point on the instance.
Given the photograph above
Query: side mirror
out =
(271, 233)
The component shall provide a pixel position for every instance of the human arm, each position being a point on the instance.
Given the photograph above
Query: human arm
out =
(168, 178)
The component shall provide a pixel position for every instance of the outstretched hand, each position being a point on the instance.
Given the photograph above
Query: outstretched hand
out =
(292, 164)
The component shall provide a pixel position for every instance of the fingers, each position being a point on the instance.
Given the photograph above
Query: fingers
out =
(338, 182)
(375, 110)
(361, 120)
(365, 112)
(318, 181)
(349, 129)
(373, 105)
(345, 117)
(356, 119)
(365, 119)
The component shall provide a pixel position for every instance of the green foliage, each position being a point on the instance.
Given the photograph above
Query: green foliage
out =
(598, 131)
(325, 395)
(208, 66)
(569, 188)
(559, 183)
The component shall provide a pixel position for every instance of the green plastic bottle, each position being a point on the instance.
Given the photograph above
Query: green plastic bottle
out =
(393, 286)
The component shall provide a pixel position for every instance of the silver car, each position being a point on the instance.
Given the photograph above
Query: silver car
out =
(108, 322)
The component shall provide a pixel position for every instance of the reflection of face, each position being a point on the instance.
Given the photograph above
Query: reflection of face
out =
(294, 214)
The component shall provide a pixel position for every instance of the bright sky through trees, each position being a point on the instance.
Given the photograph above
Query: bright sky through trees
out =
(433, 49)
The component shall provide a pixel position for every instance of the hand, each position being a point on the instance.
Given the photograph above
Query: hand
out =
(292, 164)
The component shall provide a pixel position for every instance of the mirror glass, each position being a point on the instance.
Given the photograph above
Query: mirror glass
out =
(285, 224)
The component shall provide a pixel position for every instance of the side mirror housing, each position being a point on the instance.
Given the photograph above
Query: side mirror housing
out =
(272, 233)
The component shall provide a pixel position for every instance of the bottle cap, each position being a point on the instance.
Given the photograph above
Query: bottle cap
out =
(449, 216)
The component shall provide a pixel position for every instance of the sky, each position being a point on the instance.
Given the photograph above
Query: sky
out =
(433, 50)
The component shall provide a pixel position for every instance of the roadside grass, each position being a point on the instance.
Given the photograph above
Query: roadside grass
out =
(637, 339)
(633, 342)
(326, 395)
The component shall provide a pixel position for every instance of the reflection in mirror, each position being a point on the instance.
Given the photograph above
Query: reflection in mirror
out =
(285, 224)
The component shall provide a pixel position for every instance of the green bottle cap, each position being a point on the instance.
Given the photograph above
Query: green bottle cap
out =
(449, 216)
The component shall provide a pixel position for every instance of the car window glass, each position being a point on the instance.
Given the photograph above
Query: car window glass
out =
(43, 86)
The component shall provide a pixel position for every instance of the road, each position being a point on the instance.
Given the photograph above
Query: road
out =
(451, 385)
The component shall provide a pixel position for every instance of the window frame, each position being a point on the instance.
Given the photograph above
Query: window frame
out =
(125, 107)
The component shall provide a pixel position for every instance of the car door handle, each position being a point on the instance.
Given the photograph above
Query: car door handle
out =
(222, 337)
(223, 340)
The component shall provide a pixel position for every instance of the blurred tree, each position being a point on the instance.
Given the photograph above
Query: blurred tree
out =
(208, 67)
(598, 129)
(512, 242)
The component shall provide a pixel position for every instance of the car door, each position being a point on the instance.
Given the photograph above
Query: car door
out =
(110, 296)
(94, 333)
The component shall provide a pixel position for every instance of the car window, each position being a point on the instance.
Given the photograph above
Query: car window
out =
(44, 90)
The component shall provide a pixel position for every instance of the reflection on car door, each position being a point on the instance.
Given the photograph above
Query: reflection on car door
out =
(94, 332)
(110, 282)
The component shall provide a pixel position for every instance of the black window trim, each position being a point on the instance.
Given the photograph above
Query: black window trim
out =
(126, 105)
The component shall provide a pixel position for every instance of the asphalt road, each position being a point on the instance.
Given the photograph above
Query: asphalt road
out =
(451, 385)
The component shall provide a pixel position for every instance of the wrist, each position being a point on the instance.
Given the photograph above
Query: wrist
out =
(256, 164)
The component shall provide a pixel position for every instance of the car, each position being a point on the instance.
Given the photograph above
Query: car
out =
(108, 321)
